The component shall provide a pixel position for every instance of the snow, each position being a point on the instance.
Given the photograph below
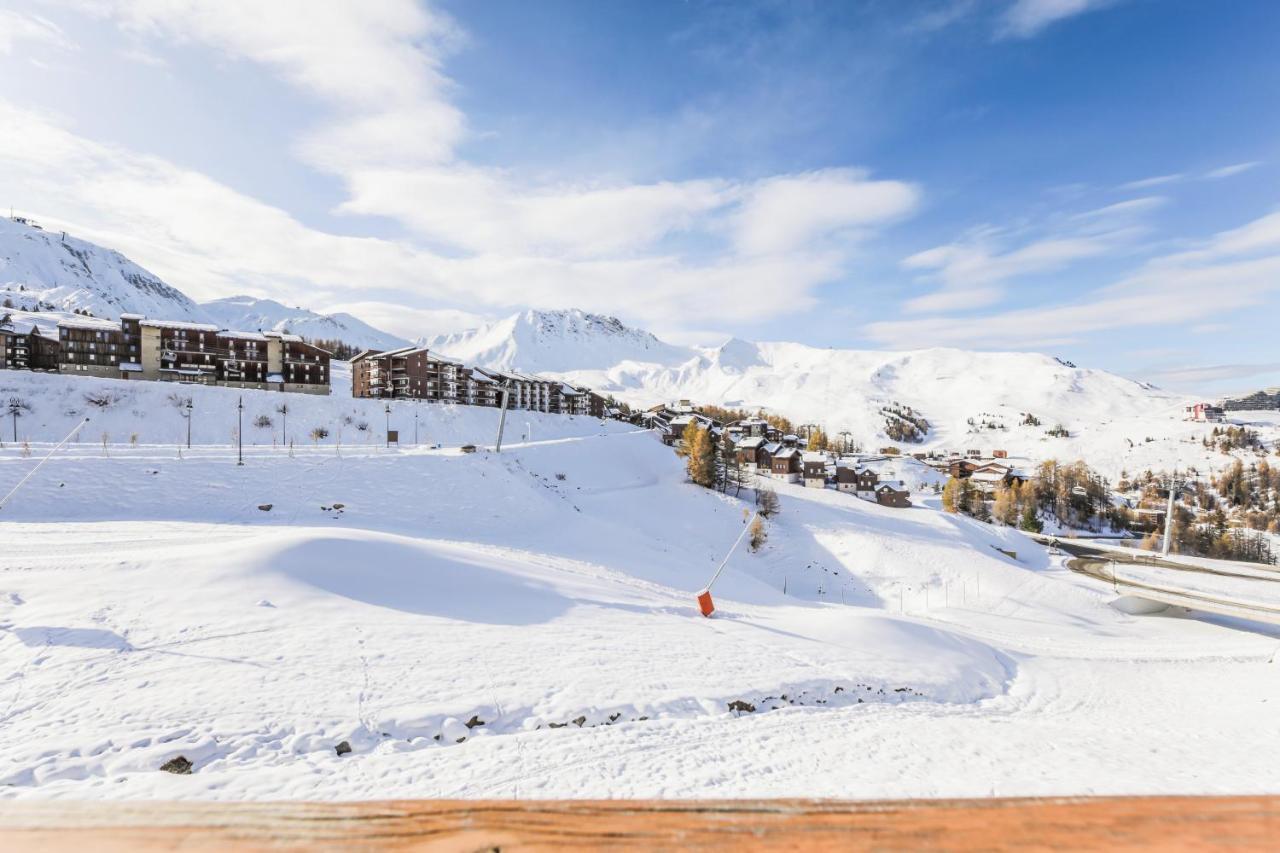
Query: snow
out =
(250, 313)
(151, 607)
(1115, 424)
(43, 269)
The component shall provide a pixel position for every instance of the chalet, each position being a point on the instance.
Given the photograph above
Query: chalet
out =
(785, 464)
(1205, 412)
(999, 454)
(814, 468)
(990, 476)
(754, 427)
(851, 478)
(961, 468)
(973, 453)
(893, 493)
(751, 454)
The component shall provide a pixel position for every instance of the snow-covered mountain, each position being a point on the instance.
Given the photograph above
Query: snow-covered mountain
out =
(249, 313)
(52, 272)
(839, 389)
(45, 269)
(557, 342)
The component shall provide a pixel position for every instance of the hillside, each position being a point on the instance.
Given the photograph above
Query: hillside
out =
(248, 313)
(48, 270)
(971, 400)
(523, 625)
(562, 342)
(53, 273)
(151, 411)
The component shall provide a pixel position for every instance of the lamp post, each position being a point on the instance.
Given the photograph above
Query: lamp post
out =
(188, 417)
(415, 427)
(388, 413)
(15, 410)
(283, 411)
(239, 432)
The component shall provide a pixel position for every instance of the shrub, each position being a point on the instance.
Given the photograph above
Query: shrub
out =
(263, 422)
(318, 434)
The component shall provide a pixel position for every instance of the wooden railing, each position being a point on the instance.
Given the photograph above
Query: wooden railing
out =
(1156, 823)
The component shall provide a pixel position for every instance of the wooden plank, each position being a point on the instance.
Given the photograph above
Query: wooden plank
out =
(1115, 823)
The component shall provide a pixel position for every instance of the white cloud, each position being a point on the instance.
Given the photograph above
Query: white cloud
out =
(391, 134)
(1026, 18)
(1234, 270)
(970, 271)
(1233, 169)
(210, 241)
(1123, 210)
(1155, 181)
(18, 27)
(411, 323)
(788, 212)
(1194, 375)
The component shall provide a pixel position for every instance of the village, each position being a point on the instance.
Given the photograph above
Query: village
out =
(759, 447)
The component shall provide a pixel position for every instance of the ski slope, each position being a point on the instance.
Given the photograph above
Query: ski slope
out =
(150, 607)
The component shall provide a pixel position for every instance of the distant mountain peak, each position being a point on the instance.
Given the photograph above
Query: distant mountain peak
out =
(44, 269)
(556, 341)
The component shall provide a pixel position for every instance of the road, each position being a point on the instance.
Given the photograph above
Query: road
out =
(1102, 564)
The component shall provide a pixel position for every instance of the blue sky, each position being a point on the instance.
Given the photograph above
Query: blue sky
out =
(1097, 179)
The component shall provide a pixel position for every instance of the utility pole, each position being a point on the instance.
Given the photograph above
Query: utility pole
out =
(240, 433)
(502, 417)
(1168, 516)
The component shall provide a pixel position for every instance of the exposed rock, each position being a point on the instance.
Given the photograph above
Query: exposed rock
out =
(742, 707)
(342, 748)
(265, 507)
(473, 722)
(180, 765)
(579, 721)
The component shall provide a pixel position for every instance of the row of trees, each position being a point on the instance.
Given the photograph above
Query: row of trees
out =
(1074, 495)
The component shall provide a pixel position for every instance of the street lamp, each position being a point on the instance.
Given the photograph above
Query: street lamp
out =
(239, 433)
(415, 427)
(388, 412)
(188, 417)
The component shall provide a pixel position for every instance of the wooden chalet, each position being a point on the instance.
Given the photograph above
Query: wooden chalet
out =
(785, 464)
(814, 469)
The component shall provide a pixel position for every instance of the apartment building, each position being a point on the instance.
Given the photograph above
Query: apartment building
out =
(197, 353)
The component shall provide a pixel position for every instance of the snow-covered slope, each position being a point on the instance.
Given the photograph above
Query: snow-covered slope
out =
(249, 314)
(1106, 415)
(558, 342)
(55, 273)
(49, 270)
(523, 625)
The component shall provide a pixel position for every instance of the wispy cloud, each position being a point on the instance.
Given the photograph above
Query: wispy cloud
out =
(1233, 270)
(1026, 18)
(971, 271)
(1198, 375)
(1156, 181)
(1233, 169)
(18, 27)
